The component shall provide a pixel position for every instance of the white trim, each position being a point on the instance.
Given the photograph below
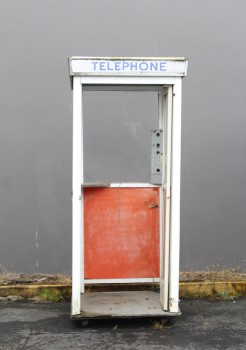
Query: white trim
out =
(82, 254)
(132, 184)
(161, 199)
(162, 235)
(166, 185)
(134, 88)
(120, 184)
(122, 280)
(175, 200)
(128, 80)
(168, 195)
(76, 199)
(166, 58)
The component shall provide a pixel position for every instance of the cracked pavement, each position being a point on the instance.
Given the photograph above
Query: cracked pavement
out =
(203, 325)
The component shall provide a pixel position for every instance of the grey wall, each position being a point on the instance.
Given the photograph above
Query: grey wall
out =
(36, 39)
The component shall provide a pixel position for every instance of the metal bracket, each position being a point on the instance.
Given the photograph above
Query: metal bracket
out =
(156, 156)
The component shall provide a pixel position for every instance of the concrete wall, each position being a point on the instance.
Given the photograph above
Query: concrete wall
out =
(36, 39)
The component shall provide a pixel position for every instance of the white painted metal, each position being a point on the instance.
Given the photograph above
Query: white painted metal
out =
(165, 123)
(161, 117)
(76, 200)
(135, 88)
(120, 184)
(164, 284)
(82, 255)
(132, 184)
(93, 80)
(122, 280)
(175, 199)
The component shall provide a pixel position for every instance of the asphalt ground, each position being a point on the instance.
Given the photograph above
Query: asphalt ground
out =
(203, 325)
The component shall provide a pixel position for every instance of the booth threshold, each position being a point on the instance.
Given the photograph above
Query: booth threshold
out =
(122, 304)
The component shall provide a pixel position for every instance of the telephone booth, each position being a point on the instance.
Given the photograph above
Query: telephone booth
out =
(127, 234)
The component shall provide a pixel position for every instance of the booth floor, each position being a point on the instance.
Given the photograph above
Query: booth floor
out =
(122, 304)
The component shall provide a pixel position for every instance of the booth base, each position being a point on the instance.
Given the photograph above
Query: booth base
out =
(122, 304)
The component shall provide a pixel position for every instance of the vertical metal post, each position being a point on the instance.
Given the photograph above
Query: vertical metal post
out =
(161, 112)
(166, 189)
(76, 200)
(169, 117)
(175, 198)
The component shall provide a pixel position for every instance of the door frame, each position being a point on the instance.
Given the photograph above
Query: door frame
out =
(169, 263)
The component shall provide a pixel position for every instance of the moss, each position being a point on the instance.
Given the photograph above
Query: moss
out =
(50, 294)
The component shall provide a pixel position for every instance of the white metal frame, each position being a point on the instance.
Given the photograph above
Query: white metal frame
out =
(170, 262)
(77, 202)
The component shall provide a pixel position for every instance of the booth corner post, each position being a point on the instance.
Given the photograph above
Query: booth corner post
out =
(142, 263)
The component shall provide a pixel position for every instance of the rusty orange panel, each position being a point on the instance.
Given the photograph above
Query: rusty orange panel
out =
(121, 232)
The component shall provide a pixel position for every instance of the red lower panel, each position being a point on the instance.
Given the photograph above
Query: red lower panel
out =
(121, 232)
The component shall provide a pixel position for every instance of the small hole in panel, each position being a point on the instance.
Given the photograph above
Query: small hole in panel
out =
(157, 145)
(158, 170)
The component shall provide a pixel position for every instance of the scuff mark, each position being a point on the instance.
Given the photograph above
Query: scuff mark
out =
(153, 205)
(36, 236)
